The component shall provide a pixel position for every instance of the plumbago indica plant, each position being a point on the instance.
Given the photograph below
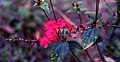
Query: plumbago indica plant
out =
(59, 30)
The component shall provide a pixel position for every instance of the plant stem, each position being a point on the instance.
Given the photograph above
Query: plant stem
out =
(102, 58)
(88, 55)
(95, 23)
(53, 10)
(22, 39)
(80, 18)
(86, 51)
(75, 56)
(46, 14)
(97, 9)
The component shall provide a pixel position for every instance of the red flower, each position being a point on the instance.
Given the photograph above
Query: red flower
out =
(44, 41)
(71, 28)
(50, 25)
(61, 23)
(51, 28)
(53, 36)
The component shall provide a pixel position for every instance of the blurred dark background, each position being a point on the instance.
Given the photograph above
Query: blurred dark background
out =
(19, 18)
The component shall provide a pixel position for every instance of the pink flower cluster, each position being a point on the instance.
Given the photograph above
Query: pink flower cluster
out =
(51, 28)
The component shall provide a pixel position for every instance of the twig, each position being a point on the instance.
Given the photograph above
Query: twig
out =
(97, 9)
(75, 56)
(21, 39)
(102, 58)
(88, 55)
(95, 22)
(80, 18)
(46, 14)
(53, 10)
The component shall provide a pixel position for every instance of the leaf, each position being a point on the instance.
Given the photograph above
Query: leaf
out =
(70, 11)
(73, 45)
(83, 9)
(91, 15)
(45, 7)
(89, 37)
(118, 5)
(59, 51)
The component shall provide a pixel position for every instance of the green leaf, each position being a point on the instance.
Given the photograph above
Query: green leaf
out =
(98, 22)
(91, 15)
(59, 51)
(45, 7)
(70, 11)
(83, 9)
(73, 45)
(89, 37)
(118, 5)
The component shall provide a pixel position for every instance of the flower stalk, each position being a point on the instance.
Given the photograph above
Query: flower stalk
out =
(46, 14)
(96, 15)
(102, 58)
(75, 56)
(88, 55)
(80, 18)
(94, 25)
(53, 10)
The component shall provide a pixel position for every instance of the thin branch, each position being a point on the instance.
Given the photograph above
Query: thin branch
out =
(97, 9)
(53, 10)
(75, 56)
(115, 26)
(21, 39)
(95, 22)
(80, 18)
(108, 25)
(88, 55)
(102, 58)
(46, 14)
